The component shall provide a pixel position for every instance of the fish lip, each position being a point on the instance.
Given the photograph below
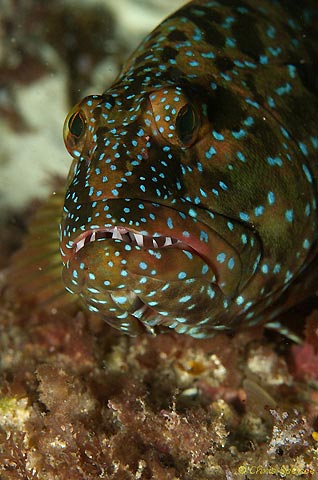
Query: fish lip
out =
(191, 242)
(129, 235)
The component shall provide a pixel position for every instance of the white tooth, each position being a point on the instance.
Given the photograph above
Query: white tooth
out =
(139, 239)
(93, 237)
(116, 234)
(155, 244)
(168, 242)
(80, 244)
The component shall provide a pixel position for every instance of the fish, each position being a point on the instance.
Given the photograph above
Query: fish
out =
(191, 201)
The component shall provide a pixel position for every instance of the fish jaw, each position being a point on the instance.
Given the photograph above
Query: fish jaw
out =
(167, 273)
(156, 226)
(116, 279)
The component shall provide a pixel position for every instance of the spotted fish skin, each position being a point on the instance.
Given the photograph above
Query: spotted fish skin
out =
(191, 201)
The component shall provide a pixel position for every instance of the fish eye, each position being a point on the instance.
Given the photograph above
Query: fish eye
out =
(186, 123)
(76, 124)
(74, 131)
(175, 117)
(79, 125)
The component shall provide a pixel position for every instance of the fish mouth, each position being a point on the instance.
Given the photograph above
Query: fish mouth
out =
(140, 316)
(131, 237)
(128, 236)
(175, 245)
(122, 271)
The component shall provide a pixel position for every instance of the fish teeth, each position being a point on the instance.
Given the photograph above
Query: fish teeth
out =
(168, 241)
(116, 234)
(80, 245)
(120, 233)
(139, 239)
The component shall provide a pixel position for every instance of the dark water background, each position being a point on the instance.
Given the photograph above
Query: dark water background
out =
(51, 55)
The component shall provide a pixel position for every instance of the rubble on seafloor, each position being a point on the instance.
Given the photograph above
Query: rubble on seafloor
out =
(79, 400)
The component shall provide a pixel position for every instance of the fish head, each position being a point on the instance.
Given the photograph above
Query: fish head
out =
(146, 241)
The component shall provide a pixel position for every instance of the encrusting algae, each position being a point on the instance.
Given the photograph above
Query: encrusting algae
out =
(80, 400)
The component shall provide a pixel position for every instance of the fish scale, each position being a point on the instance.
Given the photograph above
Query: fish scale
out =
(191, 200)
